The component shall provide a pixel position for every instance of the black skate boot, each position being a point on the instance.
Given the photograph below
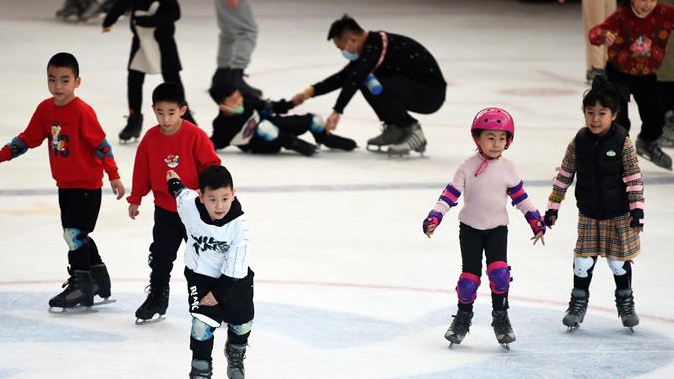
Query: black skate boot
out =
(235, 355)
(201, 369)
(299, 145)
(155, 304)
(134, 125)
(334, 141)
(414, 140)
(667, 137)
(502, 328)
(577, 308)
(77, 292)
(90, 9)
(235, 78)
(71, 8)
(624, 302)
(459, 328)
(100, 281)
(653, 152)
(390, 134)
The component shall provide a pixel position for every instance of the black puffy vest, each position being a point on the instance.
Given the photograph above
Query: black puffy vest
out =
(600, 190)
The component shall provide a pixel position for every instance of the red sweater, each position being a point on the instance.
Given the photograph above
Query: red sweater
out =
(187, 152)
(74, 134)
(640, 43)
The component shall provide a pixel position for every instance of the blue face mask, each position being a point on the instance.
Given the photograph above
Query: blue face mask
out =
(350, 56)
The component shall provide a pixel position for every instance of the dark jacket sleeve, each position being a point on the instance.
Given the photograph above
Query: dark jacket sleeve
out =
(118, 9)
(167, 14)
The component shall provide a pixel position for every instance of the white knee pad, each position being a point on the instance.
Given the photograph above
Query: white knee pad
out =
(242, 329)
(581, 265)
(72, 238)
(317, 124)
(267, 131)
(618, 267)
(200, 330)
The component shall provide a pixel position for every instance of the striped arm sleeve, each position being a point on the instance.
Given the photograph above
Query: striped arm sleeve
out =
(564, 177)
(449, 198)
(634, 184)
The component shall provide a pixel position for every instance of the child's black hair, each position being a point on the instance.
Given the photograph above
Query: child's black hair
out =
(342, 26)
(169, 92)
(220, 92)
(214, 177)
(604, 93)
(66, 60)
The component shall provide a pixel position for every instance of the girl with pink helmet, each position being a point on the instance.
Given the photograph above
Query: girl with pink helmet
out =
(487, 179)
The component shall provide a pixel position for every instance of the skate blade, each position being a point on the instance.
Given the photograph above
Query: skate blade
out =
(375, 148)
(103, 301)
(71, 310)
(128, 141)
(506, 346)
(153, 320)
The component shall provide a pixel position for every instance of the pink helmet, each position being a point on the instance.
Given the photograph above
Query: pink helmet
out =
(495, 119)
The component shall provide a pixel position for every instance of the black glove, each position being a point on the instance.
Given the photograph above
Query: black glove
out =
(549, 214)
(175, 186)
(636, 217)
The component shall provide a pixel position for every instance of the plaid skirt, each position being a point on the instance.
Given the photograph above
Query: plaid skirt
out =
(612, 238)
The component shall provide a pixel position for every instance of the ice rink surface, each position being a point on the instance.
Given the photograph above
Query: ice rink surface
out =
(347, 286)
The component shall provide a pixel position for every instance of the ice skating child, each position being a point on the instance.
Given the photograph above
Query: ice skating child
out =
(486, 179)
(609, 196)
(153, 51)
(78, 155)
(261, 126)
(175, 144)
(219, 280)
(636, 35)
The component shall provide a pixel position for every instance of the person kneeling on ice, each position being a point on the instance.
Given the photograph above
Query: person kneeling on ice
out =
(261, 126)
(487, 179)
(219, 280)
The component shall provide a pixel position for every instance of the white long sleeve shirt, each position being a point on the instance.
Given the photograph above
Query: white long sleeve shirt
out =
(214, 250)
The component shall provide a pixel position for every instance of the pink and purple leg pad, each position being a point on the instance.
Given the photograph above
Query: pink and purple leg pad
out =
(499, 277)
(466, 289)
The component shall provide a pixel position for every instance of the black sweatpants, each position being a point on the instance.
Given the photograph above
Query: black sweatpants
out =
(494, 243)
(402, 95)
(167, 234)
(235, 307)
(294, 125)
(79, 209)
(135, 80)
(646, 93)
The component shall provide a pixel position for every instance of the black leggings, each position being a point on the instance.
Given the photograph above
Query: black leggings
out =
(135, 82)
(494, 243)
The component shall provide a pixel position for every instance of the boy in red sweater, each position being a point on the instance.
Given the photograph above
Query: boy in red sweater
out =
(78, 155)
(178, 145)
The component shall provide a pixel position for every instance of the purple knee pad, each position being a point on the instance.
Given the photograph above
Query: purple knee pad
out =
(466, 289)
(499, 277)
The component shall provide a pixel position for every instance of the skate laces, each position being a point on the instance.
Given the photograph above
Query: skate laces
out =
(235, 357)
(625, 305)
(461, 322)
(576, 306)
(501, 323)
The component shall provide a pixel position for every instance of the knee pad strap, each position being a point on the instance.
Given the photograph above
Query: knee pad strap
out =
(466, 289)
(74, 238)
(200, 330)
(499, 277)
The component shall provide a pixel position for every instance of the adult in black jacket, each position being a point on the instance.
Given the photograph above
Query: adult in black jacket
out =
(395, 74)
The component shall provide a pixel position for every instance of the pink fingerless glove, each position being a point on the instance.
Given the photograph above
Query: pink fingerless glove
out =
(434, 218)
(535, 222)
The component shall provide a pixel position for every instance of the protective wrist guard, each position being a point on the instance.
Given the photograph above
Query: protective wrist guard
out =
(636, 218)
(535, 221)
(549, 214)
(434, 218)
